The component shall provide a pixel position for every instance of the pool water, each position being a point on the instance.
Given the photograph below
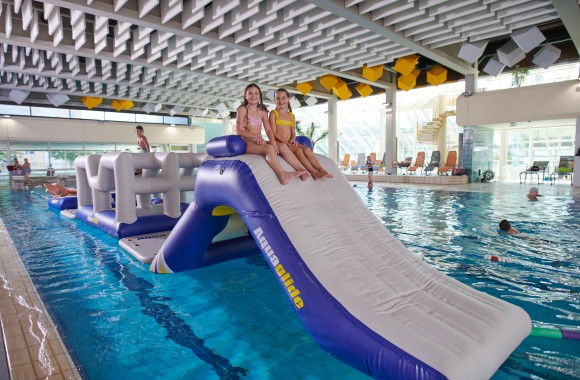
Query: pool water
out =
(234, 321)
(454, 231)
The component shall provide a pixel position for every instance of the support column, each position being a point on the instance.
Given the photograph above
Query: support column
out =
(228, 129)
(442, 139)
(470, 89)
(502, 153)
(332, 129)
(576, 172)
(390, 129)
(468, 152)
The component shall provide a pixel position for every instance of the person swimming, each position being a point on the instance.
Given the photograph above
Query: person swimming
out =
(533, 194)
(504, 225)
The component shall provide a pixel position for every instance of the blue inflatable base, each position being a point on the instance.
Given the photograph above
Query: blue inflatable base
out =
(105, 221)
(63, 203)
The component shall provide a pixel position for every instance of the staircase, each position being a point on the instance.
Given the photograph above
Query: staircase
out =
(432, 116)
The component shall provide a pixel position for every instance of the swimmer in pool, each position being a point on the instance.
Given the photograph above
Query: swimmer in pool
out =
(57, 190)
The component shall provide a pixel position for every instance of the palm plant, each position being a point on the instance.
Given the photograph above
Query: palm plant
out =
(310, 131)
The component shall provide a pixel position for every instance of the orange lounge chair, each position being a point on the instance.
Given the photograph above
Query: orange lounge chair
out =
(419, 162)
(450, 163)
(344, 164)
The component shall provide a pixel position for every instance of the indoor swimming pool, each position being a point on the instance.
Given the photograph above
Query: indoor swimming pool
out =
(233, 320)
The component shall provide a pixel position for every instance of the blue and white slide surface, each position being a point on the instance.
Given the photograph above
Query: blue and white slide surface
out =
(359, 292)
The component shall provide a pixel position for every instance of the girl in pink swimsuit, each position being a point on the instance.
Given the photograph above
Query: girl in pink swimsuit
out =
(251, 115)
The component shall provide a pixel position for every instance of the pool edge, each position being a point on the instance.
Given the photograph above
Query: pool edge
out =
(34, 348)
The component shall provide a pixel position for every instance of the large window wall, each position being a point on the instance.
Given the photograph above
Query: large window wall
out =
(59, 156)
(540, 143)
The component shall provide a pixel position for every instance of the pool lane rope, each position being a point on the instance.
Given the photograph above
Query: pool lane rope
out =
(555, 333)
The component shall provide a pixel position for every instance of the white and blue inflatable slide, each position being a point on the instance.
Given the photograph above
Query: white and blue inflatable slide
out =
(359, 292)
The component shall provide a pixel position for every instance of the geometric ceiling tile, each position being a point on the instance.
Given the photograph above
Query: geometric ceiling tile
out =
(471, 51)
(57, 100)
(146, 6)
(170, 9)
(436, 75)
(494, 66)
(18, 96)
(546, 56)
(528, 38)
(405, 65)
(510, 53)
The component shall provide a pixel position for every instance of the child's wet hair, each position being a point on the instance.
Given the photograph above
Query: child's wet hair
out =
(504, 225)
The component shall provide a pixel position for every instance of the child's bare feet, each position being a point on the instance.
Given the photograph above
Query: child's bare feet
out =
(286, 177)
(318, 174)
(321, 174)
(304, 176)
(326, 174)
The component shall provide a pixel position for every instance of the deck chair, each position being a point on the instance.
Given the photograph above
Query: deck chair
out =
(360, 163)
(379, 165)
(435, 161)
(565, 170)
(538, 168)
(345, 161)
(405, 163)
(450, 163)
(419, 162)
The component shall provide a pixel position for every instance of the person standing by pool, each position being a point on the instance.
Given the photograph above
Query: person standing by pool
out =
(26, 170)
(142, 140)
(142, 143)
(15, 167)
(370, 169)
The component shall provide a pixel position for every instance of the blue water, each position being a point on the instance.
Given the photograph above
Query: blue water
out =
(233, 320)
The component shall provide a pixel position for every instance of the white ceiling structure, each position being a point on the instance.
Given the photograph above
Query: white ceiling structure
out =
(197, 55)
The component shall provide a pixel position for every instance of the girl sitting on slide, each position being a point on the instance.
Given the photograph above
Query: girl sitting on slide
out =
(251, 116)
(284, 125)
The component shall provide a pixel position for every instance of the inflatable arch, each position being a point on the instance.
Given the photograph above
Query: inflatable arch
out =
(133, 211)
(361, 294)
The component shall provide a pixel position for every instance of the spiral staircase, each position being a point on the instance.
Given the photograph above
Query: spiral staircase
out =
(432, 116)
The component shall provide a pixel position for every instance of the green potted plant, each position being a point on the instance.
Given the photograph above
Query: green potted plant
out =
(519, 75)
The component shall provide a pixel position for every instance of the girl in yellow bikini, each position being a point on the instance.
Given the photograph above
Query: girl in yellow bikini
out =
(251, 115)
(284, 125)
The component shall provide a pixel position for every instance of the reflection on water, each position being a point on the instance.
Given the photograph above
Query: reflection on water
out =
(454, 231)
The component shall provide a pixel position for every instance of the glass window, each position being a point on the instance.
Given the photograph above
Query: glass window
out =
(88, 115)
(14, 110)
(63, 113)
(62, 157)
(317, 115)
(120, 116)
(148, 119)
(177, 120)
(37, 154)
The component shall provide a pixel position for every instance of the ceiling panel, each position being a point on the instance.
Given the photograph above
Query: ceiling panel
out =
(197, 54)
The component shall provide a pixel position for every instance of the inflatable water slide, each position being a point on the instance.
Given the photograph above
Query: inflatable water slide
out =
(359, 292)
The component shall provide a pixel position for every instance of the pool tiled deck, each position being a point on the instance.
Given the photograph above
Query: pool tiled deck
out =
(412, 179)
(34, 348)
